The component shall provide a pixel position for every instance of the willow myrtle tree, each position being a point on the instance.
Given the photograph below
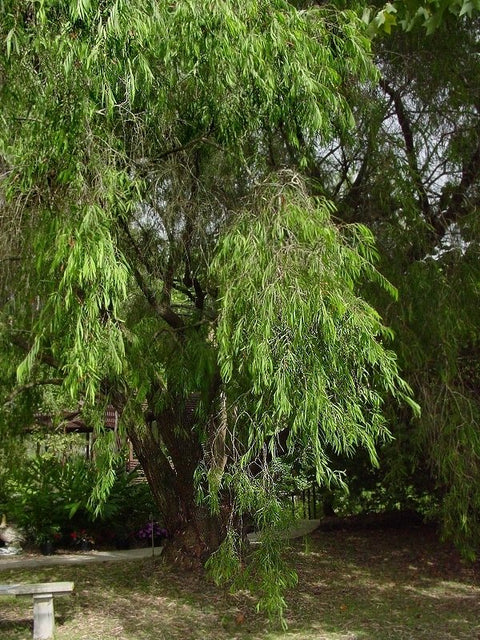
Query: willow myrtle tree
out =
(157, 259)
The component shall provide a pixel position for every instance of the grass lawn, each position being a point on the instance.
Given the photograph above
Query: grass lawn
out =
(369, 585)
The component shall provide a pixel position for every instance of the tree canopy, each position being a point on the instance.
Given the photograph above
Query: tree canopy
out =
(204, 205)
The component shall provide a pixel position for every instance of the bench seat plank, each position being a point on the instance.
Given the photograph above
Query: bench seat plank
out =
(57, 588)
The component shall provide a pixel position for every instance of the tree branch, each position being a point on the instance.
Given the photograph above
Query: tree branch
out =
(189, 278)
(457, 204)
(183, 147)
(45, 358)
(31, 385)
(407, 133)
(161, 309)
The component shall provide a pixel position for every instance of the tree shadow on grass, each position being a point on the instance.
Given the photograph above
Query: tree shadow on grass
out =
(17, 629)
(374, 585)
(386, 584)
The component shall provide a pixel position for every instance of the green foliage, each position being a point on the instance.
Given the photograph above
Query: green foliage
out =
(264, 570)
(411, 13)
(298, 347)
(423, 197)
(157, 254)
(44, 494)
(300, 351)
(129, 83)
(440, 355)
(128, 506)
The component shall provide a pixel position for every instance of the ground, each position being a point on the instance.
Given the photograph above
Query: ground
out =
(368, 585)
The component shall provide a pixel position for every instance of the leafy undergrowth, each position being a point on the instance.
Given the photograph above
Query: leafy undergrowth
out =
(369, 585)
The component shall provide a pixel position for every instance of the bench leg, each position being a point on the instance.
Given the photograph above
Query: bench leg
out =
(43, 616)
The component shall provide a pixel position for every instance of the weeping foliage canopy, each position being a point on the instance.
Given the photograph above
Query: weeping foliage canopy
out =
(105, 104)
(167, 230)
(114, 118)
(296, 343)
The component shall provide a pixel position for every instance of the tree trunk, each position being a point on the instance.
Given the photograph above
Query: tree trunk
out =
(169, 450)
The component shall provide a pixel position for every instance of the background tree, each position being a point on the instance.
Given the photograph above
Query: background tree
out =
(435, 101)
(411, 173)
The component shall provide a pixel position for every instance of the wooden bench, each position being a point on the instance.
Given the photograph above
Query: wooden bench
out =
(43, 614)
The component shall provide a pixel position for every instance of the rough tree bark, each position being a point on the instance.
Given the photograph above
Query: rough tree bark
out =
(168, 448)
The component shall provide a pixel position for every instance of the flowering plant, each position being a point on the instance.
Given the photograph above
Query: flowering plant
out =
(151, 529)
(81, 537)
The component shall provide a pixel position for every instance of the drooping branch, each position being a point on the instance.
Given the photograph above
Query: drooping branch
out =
(43, 357)
(217, 441)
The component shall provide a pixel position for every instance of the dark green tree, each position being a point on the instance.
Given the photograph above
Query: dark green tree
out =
(411, 174)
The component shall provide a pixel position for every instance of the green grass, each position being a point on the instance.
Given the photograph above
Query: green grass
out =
(366, 585)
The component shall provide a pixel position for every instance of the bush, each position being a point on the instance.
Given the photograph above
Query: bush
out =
(129, 506)
(43, 495)
(50, 499)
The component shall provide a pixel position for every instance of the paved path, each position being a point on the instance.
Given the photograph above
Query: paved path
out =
(25, 562)
(299, 529)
